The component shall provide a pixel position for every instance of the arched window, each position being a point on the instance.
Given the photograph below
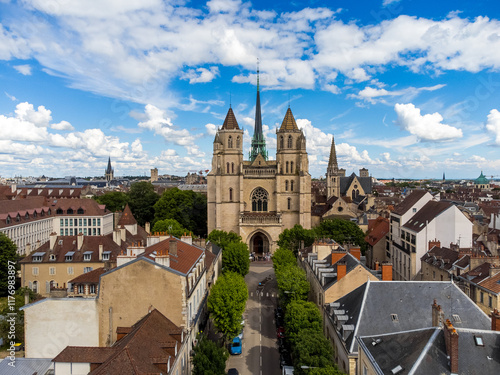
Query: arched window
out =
(230, 194)
(355, 193)
(291, 185)
(290, 141)
(281, 142)
(259, 199)
(286, 185)
(59, 211)
(289, 203)
(232, 167)
(80, 211)
(69, 211)
(238, 142)
(227, 167)
(286, 167)
(230, 142)
(291, 167)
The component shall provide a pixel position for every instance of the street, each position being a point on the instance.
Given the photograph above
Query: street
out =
(260, 353)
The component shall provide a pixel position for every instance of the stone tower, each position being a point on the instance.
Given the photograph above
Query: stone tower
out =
(154, 174)
(333, 173)
(109, 172)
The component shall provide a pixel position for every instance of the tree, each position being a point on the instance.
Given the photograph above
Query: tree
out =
(328, 370)
(282, 257)
(209, 359)
(293, 238)
(8, 259)
(292, 283)
(185, 206)
(222, 238)
(142, 199)
(341, 231)
(301, 315)
(226, 303)
(171, 226)
(5, 324)
(113, 200)
(236, 258)
(312, 349)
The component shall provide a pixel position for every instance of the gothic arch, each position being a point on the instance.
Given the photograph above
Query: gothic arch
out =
(260, 200)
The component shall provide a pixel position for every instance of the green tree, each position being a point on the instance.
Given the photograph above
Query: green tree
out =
(283, 256)
(226, 303)
(236, 258)
(222, 238)
(312, 349)
(328, 370)
(185, 206)
(113, 200)
(293, 238)
(301, 315)
(19, 317)
(8, 259)
(171, 226)
(292, 283)
(142, 199)
(209, 358)
(342, 231)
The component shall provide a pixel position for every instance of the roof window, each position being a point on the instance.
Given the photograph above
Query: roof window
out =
(394, 317)
(478, 340)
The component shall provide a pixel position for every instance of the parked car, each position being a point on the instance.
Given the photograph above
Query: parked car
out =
(232, 371)
(240, 335)
(280, 332)
(235, 346)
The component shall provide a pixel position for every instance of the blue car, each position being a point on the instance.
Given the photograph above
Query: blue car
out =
(235, 346)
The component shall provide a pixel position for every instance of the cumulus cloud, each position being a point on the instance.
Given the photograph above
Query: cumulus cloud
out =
(201, 75)
(493, 125)
(63, 125)
(211, 129)
(23, 69)
(376, 95)
(427, 127)
(39, 117)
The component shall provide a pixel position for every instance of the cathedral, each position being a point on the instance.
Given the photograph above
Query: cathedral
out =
(258, 198)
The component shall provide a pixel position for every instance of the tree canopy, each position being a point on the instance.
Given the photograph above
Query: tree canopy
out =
(209, 358)
(312, 349)
(282, 257)
(185, 206)
(292, 283)
(301, 315)
(8, 252)
(236, 258)
(222, 238)
(293, 238)
(342, 231)
(18, 303)
(113, 200)
(171, 226)
(226, 303)
(142, 199)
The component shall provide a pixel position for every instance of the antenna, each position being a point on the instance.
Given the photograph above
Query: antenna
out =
(230, 98)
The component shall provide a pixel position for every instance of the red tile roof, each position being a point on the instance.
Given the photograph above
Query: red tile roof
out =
(409, 202)
(22, 206)
(91, 277)
(127, 217)
(90, 207)
(492, 283)
(377, 229)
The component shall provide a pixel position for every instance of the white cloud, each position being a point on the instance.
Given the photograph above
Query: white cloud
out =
(427, 127)
(23, 69)
(374, 95)
(11, 97)
(63, 125)
(211, 129)
(493, 125)
(358, 75)
(201, 75)
(40, 117)
(389, 2)
(223, 6)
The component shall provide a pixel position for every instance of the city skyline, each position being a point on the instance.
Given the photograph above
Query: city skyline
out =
(407, 88)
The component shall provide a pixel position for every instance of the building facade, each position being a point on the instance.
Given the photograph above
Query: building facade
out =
(259, 198)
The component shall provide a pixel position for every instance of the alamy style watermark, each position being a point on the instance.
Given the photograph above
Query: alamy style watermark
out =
(12, 314)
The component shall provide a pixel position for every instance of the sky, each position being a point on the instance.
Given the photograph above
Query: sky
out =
(408, 88)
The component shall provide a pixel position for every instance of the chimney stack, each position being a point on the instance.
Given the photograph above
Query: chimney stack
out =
(377, 265)
(53, 238)
(356, 252)
(101, 250)
(79, 241)
(27, 249)
(341, 270)
(147, 227)
(123, 233)
(117, 237)
(386, 271)
(162, 257)
(434, 243)
(451, 341)
(437, 315)
(337, 255)
(187, 239)
(495, 320)
(172, 247)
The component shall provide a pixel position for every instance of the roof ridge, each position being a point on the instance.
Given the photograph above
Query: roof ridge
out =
(365, 294)
(420, 358)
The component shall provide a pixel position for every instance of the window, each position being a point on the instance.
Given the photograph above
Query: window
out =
(70, 271)
(289, 203)
(81, 289)
(34, 271)
(52, 257)
(86, 257)
(37, 258)
(92, 289)
(286, 167)
(286, 185)
(230, 142)
(281, 142)
(34, 214)
(65, 222)
(394, 317)
(35, 286)
(290, 141)
(232, 167)
(8, 220)
(27, 216)
(481, 297)
(490, 301)
(291, 185)
(291, 167)
(79, 222)
(105, 256)
(69, 211)
(227, 167)
(230, 194)
(59, 211)
(414, 210)
(259, 199)
(98, 222)
(87, 269)
(61, 222)
(238, 142)
(80, 211)
(93, 222)
(68, 257)
(52, 271)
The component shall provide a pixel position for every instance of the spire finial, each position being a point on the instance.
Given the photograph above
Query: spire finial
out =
(289, 100)
(230, 99)
(258, 85)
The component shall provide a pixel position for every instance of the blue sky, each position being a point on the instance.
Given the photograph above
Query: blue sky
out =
(408, 88)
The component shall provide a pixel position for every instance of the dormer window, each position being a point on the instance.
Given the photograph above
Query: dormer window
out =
(8, 220)
(18, 217)
(34, 214)
(52, 257)
(42, 213)
(105, 255)
(69, 211)
(27, 216)
(80, 211)
(87, 256)
(59, 211)
(49, 212)
(69, 256)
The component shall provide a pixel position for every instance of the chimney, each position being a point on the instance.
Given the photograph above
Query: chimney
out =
(377, 265)
(437, 315)
(147, 227)
(495, 320)
(494, 269)
(187, 239)
(386, 271)
(53, 238)
(336, 256)
(123, 233)
(116, 237)
(26, 296)
(162, 257)
(434, 243)
(341, 270)
(79, 241)
(356, 252)
(13, 188)
(451, 341)
(172, 247)
(27, 248)
(101, 249)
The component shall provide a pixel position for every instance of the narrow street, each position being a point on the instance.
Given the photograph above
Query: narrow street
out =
(260, 353)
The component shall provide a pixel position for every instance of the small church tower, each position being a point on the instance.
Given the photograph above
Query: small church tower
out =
(109, 172)
(333, 173)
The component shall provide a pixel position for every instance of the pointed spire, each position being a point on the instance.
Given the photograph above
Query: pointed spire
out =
(109, 169)
(230, 122)
(258, 141)
(332, 162)
(288, 122)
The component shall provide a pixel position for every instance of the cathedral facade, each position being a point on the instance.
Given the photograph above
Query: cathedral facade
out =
(258, 198)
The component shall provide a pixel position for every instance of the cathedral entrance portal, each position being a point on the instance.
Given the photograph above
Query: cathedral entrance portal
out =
(259, 244)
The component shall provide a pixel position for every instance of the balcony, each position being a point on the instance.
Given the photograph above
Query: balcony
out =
(259, 172)
(271, 218)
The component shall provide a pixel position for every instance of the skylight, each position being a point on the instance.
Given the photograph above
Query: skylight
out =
(479, 341)
(394, 317)
(397, 370)
(456, 318)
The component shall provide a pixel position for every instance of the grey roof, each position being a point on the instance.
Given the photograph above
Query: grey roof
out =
(26, 366)
(426, 214)
(351, 263)
(365, 182)
(424, 352)
(409, 202)
(371, 305)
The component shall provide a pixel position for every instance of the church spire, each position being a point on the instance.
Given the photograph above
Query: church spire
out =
(258, 141)
(332, 163)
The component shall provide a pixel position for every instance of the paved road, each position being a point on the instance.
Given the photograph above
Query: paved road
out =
(260, 352)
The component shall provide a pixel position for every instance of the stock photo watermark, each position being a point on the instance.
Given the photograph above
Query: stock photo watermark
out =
(11, 317)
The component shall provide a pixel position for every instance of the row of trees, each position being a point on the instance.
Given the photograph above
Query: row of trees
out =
(312, 353)
(187, 208)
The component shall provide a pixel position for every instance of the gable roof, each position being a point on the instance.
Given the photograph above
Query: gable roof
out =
(478, 274)
(230, 122)
(426, 214)
(377, 229)
(409, 201)
(441, 257)
(492, 283)
(370, 307)
(365, 182)
(89, 277)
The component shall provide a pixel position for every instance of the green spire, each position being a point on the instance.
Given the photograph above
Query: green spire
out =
(258, 140)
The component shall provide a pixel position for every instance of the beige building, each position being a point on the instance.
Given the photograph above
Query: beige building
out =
(259, 198)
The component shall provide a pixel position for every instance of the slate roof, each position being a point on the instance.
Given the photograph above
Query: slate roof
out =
(425, 215)
(127, 218)
(288, 122)
(441, 257)
(370, 308)
(230, 122)
(409, 202)
(365, 182)
(423, 352)
(377, 229)
(26, 366)
(351, 263)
